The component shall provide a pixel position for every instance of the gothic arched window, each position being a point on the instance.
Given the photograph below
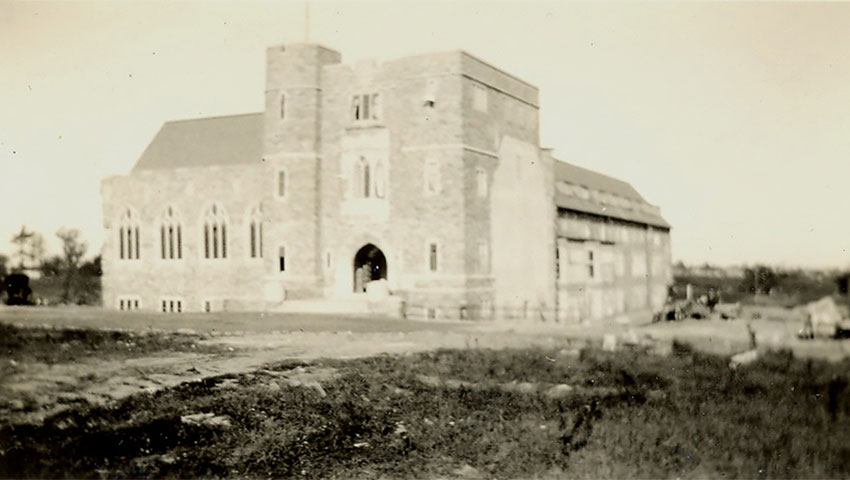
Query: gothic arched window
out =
(362, 178)
(256, 233)
(215, 232)
(128, 235)
(170, 235)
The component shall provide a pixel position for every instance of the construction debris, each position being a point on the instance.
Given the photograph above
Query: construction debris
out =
(207, 419)
(823, 318)
(744, 358)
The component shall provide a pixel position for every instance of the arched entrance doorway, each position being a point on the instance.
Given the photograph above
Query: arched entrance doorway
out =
(369, 264)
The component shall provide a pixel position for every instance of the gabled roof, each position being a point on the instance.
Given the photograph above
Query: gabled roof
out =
(202, 142)
(567, 172)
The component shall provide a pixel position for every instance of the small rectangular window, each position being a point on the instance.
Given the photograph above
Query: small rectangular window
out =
(432, 313)
(281, 253)
(282, 106)
(207, 306)
(432, 257)
(136, 304)
(164, 306)
(121, 241)
(121, 304)
(281, 183)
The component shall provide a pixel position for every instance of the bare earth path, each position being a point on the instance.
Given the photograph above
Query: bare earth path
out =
(30, 391)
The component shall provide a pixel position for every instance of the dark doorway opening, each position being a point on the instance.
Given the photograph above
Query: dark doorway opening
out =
(369, 264)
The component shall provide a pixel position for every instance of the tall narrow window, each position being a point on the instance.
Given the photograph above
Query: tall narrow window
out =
(432, 177)
(362, 179)
(223, 241)
(481, 177)
(376, 106)
(281, 183)
(483, 257)
(282, 106)
(128, 235)
(557, 262)
(432, 257)
(215, 233)
(256, 233)
(355, 107)
(281, 254)
(366, 182)
(170, 235)
(590, 271)
(365, 100)
(215, 241)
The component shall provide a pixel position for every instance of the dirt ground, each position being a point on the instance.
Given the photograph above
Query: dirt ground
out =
(234, 343)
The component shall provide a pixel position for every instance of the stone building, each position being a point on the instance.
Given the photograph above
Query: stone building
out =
(416, 186)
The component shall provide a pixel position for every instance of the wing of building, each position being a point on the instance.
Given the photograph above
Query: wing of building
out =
(415, 186)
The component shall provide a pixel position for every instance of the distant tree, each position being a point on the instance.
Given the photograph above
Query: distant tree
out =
(73, 249)
(30, 249)
(53, 266)
(91, 268)
(843, 281)
(21, 241)
(760, 279)
(35, 251)
(4, 266)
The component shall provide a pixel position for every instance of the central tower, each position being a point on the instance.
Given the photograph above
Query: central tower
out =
(292, 153)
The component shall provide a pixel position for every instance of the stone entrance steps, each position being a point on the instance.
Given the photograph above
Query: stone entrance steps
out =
(354, 305)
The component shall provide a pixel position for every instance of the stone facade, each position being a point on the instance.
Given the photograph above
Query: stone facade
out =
(428, 166)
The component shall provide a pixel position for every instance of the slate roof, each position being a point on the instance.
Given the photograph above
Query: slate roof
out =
(230, 140)
(567, 172)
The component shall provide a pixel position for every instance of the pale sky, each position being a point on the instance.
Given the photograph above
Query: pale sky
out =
(733, 118)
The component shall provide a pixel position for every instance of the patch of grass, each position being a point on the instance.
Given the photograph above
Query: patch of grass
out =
(682, 415)
(60, 345)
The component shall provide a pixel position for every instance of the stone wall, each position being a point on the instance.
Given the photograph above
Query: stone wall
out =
(229, 283)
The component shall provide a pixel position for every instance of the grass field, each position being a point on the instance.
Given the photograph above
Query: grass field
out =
(472, 413)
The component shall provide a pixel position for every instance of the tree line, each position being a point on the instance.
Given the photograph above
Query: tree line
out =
(67, 277)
